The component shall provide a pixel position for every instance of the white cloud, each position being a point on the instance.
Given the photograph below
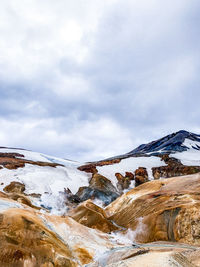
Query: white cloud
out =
(84, 140)
(90, 79)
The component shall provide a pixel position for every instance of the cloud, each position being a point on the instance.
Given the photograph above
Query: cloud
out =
(91, 79)
(85, 140)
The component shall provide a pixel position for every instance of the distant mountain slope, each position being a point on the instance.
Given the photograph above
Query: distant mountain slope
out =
(175, 142)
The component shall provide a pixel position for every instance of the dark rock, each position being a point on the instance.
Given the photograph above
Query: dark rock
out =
(173, 171)
(106, 197)
(90, 168)
(141, 176)
(124, 181)
(100, 182)
(15, 187)
(168, 144)
(71, 197)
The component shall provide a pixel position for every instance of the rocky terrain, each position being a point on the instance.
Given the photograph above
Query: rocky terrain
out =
(137, 209)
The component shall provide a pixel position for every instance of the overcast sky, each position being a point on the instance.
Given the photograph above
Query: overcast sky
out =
(89, 79)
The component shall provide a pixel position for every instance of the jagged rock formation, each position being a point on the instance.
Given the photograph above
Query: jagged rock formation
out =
(141, 176)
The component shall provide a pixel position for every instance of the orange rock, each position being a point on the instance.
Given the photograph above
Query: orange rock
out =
(9, 161)
(91, 167)
(24, 238)
(91, 215)
(167, 210)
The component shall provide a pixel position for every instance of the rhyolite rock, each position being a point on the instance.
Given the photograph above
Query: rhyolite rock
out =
(167, 209)
(93, 216)
(31, 238)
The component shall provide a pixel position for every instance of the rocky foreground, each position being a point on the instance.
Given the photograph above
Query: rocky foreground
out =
(137, 209)
(152, 225)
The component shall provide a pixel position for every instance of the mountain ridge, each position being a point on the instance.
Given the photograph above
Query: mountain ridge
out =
(168, 144)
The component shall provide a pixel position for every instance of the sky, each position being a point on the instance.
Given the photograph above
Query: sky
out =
(90, 79)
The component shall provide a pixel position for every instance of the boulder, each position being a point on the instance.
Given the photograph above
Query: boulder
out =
(99, 188)
(15, 187)
(141, 176)
(124, 181)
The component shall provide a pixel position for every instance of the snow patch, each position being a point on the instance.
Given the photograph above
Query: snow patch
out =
(191, 157)
(47, 181)
(36, 156)
(130, 165)
(99, 203)
(4, 205)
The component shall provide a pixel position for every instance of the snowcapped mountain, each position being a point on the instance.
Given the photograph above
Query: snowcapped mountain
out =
(173, 155)
(175, 142)
(49, 178)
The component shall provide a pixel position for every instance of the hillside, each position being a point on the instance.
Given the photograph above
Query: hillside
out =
(140, 208)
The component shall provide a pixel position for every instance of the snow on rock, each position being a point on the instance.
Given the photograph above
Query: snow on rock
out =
(191, 157)
(40, 179)
(78, 235)
(36, 156)
(45, 180)
(130, 165)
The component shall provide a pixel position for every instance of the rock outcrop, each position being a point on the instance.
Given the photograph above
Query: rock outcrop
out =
(152, 255)
(93, 216)
(99, 188)
(141, 176)
(14, 161)
(30, 238)
(124, 181)
(167, 209)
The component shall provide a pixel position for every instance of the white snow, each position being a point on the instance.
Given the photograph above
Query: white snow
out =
(45, 180)
(40, 179)
(7, 204)
(130, 165)
(36, 156)
(99, 203)
(191, 157)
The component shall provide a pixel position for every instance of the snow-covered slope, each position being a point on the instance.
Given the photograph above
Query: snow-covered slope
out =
(50, 181)
(45, 180)
(190, 157)
(129, 165)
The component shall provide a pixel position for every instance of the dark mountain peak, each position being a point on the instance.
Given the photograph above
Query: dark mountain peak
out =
(169, 144)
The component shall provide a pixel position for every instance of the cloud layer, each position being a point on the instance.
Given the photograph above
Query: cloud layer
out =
(91, 79)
